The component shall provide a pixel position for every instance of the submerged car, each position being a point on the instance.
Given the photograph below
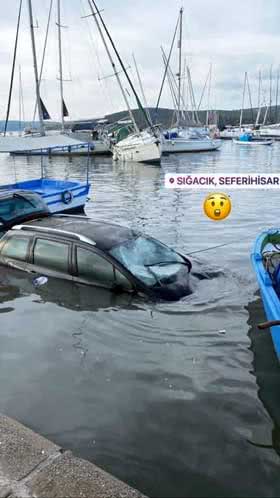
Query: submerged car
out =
(96, 253)
(19, 206)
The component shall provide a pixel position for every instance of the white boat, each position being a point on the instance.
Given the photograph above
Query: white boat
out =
(272, 131)
(231, 132)
(98, 145)
(139, 147)
(182, 140)
(252, 143)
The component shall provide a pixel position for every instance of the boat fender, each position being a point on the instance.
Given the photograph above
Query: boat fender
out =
(67, 197)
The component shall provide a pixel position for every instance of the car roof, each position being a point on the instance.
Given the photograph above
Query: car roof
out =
(104, 235)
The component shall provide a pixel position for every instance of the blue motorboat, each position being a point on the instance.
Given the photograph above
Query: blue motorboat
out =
(266, 262)
(61, 196)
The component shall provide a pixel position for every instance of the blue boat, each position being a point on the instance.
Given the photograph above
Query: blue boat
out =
(61, 196)
(266, 262)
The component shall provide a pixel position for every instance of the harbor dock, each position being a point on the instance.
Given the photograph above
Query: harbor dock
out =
(31, 465)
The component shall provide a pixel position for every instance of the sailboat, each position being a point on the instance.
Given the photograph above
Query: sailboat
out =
(60, 196)
(139, 146)
(247, 137)
(182, 138)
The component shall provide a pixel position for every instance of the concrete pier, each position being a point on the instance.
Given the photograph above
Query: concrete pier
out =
(32, 466)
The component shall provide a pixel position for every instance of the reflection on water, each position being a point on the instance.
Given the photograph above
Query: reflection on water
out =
(174, 398)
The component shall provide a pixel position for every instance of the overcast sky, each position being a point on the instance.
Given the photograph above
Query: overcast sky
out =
(234, 36)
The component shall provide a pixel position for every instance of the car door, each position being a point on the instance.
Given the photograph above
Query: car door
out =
(93, 268)
(15, 250)
(51, 256)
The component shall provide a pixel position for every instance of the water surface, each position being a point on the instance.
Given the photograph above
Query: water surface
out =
(177, 399)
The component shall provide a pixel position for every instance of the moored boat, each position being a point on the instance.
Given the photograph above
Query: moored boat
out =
(266, 261)
(61, 196)
(182, 140)
(141, 147)
(247, 139)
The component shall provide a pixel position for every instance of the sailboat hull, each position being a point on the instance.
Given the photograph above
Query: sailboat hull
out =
(138, 148)
(189, 145)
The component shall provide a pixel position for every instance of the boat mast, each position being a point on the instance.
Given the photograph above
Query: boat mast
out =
(259, 99)
(114, 67)
(42, 127)
(60, 65)
(180, 64)
(270, 92)
(243, 98)
(13, 70)
(276, 97)
(209, 91)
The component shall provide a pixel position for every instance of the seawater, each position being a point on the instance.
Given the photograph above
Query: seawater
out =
(177, 399)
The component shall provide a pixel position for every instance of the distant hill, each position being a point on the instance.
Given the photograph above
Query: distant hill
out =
(223, 118)
(162, 116)
(20, 125)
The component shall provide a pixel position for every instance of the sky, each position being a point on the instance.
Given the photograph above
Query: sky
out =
(233, 37)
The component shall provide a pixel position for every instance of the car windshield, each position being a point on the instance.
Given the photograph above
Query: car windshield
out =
(148, 259)
(20, 205)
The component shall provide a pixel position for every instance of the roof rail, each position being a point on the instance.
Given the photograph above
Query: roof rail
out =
(55, 231)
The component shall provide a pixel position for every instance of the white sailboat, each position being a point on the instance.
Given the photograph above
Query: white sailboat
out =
(182, 138)
(140, 146)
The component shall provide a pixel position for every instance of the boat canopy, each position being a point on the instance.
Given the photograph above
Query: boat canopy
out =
(25, 144)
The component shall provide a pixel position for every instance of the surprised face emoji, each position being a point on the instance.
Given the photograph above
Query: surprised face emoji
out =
(217, 206)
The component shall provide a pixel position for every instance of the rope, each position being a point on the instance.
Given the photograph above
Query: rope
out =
(167, 65)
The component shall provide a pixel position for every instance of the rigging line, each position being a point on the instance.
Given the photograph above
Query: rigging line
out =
(259, 99)
(195, 113)
(167, 66)
(203, 91)
(243, 99)
(149, 123)
(141, 88)
(209, 94)
(250, 99)
(123, 92)
(95, 50)
(44, 54)
(13, 70)
(171, 85)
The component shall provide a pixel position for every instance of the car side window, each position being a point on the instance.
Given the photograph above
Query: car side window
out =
(51, 254)
(92, 266)
(123, 281)
(16, 248)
